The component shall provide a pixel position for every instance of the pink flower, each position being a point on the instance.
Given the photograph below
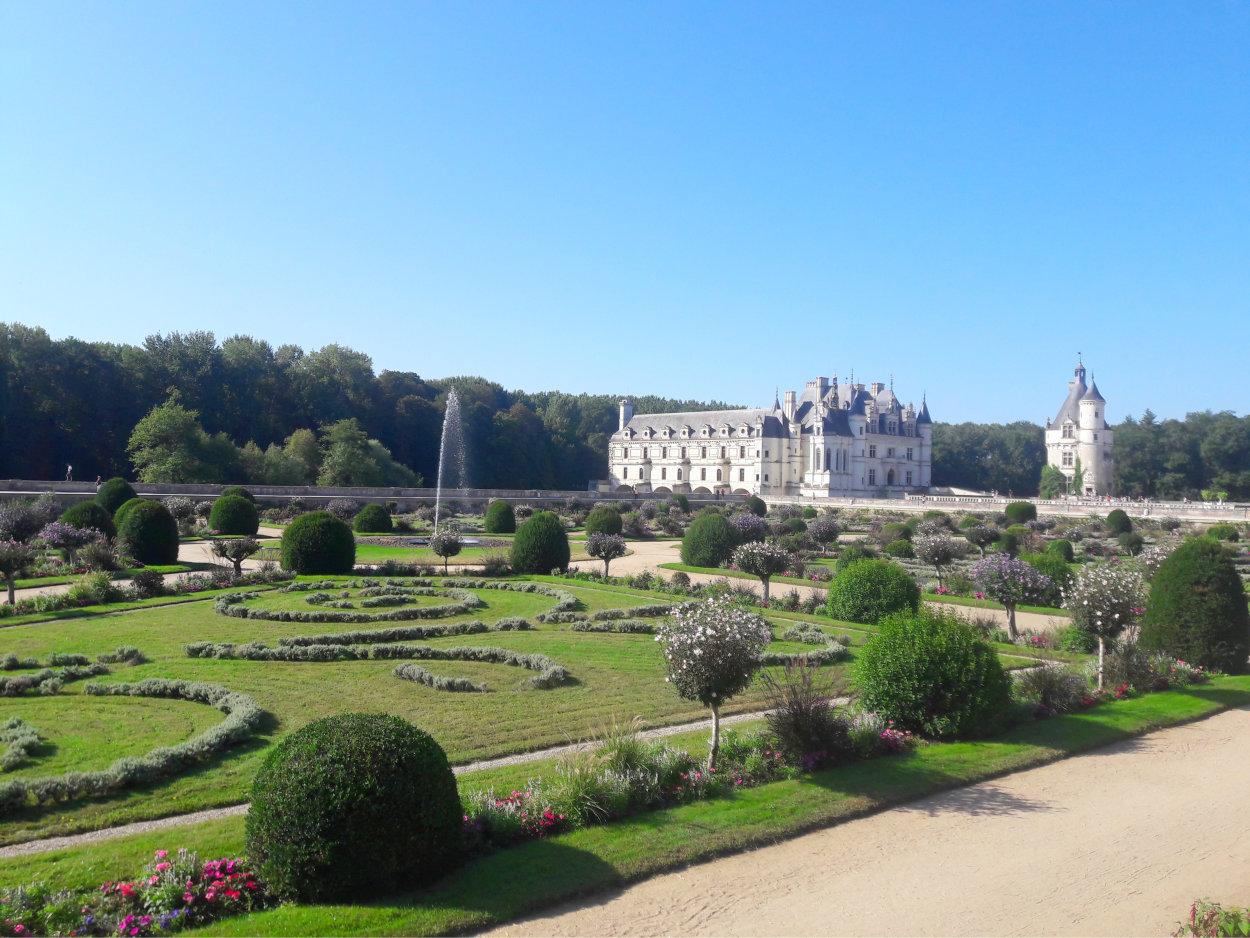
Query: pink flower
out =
(162, 854)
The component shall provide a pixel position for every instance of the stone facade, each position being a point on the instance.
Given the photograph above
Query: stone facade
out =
(1080, 433)
(832, 439)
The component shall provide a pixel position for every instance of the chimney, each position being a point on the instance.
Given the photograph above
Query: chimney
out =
(791, 405)
(627, 412)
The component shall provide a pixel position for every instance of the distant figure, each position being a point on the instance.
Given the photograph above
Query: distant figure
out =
(69, 473)
(97, 483)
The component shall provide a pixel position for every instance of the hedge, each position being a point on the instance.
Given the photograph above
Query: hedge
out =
(499, 518)
(1020, 512)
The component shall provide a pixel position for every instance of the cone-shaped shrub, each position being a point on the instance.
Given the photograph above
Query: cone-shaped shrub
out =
(148, 532)
(708, 541)
(90, 515)
(1197, 609)
(372, 519)
(114, 493)
(541, 545)
(318, 542)
(354, 806)
(499, 518)
(234, 514)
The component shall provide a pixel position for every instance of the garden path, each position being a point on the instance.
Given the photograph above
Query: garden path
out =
(1115, 842)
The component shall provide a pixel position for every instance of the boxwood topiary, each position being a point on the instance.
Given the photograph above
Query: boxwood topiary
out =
(354, 806)
(1197, 608)
(1020, 512)
(499, 518)
(234, 514)
(1118, 521)
(372, 519)
(900, 548)
(869, 590)
(931, 673)
(1131, 542)
(1061, 548)
(1224, 532)
(90, 515)
(148, 532)
(114, 493)
(239, 491)
(850, 554)
(757, 506)
(124, 508)
(603, 520)
(708, 541)
(1054, 566)
(318, 542)
(540, 545)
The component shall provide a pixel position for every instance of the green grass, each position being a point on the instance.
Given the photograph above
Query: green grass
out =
(510, 883)
(379, 553)
(85, 612)
(990, 604)
(117, 575)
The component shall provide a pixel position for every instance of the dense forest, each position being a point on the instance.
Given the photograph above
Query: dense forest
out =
(183, 406)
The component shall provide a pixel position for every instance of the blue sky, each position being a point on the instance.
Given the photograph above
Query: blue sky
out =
(702, 200)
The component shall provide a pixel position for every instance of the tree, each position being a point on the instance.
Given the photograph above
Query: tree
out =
(982, 536)
(1054, 483)
(606, 547)
(1009, 581)
(15, 557)
(236, 550)
(712, 650)
(446, 544)
(1078, 477)
(824, 530)
(763, 560)
(1104, 600)
(937, 550)
(168, 445)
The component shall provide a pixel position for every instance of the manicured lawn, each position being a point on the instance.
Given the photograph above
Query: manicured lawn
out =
(368, 554)
(509, 883)
(118, 575)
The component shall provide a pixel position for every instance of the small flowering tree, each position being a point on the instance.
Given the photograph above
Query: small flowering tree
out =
(712, 650)
(236, 550)
(824, 530)
(981, 536)
(606, 547)
(748, 527)
(446, 544)
(763, 560)
(1009, 581)
(1104, 600)
(15, 557)
(937, 550)
(61, 536)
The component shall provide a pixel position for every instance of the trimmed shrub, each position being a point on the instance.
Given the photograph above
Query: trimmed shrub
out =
(870, 590)
(1008, 543)
(851, 554)
(757, 506)
(1197, 609)
(931, 673)
(91, 515)
(1131, 542)
(681, 502)
(353, 806)
(603, 520)
(1054, 567)
(499, 518)
(237, 491)
(148, 532)
(114, 493)
(1223, 532)
(709, 541)
(541, 545)
(1061, 548)
(372, 519)
(234, 514)
(1020, 512)
(318, 542)
(1118, 521)
(120, 515)
(900, 548)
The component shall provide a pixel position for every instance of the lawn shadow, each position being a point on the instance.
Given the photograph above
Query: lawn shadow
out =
(978, 800)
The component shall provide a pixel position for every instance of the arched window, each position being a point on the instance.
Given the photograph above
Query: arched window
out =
(663, 473)
(718, 478)
(702, 475)
(678, 475)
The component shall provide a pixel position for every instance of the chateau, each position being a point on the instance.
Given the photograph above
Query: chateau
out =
(833, 439)
(1079, 438)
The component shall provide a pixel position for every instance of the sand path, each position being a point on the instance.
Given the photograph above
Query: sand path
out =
(1115, 842)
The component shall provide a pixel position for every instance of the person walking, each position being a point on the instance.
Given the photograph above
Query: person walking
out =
(69, 473)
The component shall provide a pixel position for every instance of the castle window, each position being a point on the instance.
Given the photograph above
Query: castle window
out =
(909, 477)
(1095, 437)
(1067, 458)
(766, 477)
(742, 452)
(683, 452)
(703, 452)
(872, 476)
(664, 452)
(678, 475)
(625, 473)
(872, 451)
(718, 478)
(663, 473)
(909, 451)
(723, 451)
(703, 475)
(765, 454)
(742, 475)
(644, 452)
(890, 451)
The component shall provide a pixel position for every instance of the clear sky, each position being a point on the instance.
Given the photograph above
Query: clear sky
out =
(700, 200)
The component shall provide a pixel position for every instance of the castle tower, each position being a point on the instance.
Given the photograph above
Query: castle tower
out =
(1079, 436)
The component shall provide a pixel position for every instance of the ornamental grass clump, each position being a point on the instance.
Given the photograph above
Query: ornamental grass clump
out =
(1010, 581)
(808, 730)
(764, 560)
(712, 650)
(1104, 599)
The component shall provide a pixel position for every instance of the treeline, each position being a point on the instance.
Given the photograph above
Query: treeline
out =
(278, 412)
(1171, 459)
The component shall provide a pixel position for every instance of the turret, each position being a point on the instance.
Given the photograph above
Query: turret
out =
(627, 412)
(1092, 403)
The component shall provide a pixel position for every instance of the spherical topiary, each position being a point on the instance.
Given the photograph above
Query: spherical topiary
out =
(708, 541)
(239, 491)
(1118, 521)
(1131, 542)
(757, 506)
(869, 590)
(114, 493)
(809, 512)
(1052, 565)
(1197, 608)
(850, 554)
(603, 520)
(318, 542)
(1020, 512)
(234, 514)
(541, 545)
(148, 532)
(931, 673)
(1061, 548)
(125, 507)
(499, 518)
(900, 548)
(90, 515)
(372, 519)
(1008, 543)
(354, 806)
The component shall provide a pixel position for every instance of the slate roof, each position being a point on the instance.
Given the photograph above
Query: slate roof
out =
(774, 425)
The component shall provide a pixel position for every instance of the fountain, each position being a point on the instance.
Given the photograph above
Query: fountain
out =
(450, 447)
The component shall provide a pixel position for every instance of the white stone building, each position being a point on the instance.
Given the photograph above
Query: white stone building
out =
(831, 440)
(1079, 435)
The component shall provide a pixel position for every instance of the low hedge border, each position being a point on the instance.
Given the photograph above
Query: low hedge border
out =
(832, 653)
(243, 718)
(50, 680)
(232, 605)
(418, 674)
(651, 611)
(621, 626)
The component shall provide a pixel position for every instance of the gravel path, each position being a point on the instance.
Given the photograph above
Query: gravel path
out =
(1114, 842)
